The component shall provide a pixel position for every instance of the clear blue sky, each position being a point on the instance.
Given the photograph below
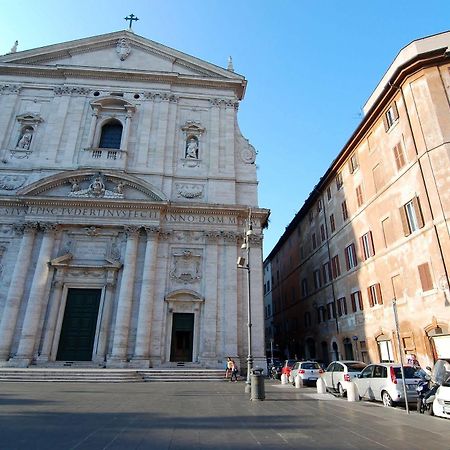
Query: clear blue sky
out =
(310, 66)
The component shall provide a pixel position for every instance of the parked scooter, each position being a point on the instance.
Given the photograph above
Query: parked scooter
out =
(426, 391)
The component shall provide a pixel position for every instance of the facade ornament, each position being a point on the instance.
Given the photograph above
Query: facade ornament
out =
(186, 267)
(96, 189)
(123, 49)
(212, 235)
(161, 96)
(230, 64)
(189, 190)
(248, 153)
(69, 90)
(11, 182)
(152, 232)
(224, 103)
(27, 227)
(14, 47)
(48, 227)
(92, 231)
(10, 88)
(115, 252)
(132, 230)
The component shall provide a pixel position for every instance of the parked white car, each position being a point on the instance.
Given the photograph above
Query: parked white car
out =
(308, 371)
(384, 382)
(339, 373)
(441, 403)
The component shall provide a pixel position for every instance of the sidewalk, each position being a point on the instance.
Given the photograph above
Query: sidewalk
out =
(195, 415)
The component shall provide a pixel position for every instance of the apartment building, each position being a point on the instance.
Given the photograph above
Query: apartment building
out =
(375, 230)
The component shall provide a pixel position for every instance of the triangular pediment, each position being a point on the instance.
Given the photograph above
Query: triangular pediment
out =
(93, 185)
(119, 50)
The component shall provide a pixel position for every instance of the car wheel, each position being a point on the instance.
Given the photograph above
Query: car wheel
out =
(387, 400)
(341, 391)
(429, 409)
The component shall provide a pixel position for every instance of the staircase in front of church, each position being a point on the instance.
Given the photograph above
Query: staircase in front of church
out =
(90, 375)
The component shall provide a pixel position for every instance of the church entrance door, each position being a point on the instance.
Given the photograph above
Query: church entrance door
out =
(182, 337)
(80, 321)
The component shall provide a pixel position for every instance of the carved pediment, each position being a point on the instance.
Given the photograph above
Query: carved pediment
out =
(89, 184)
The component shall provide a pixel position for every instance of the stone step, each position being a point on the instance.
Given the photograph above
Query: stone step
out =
(109, 375)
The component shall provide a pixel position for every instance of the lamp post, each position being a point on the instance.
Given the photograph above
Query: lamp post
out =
(244, 263)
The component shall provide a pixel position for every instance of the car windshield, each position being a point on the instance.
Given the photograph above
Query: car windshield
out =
(355, 366)
(310, 366)
(410, 372)
(446, 381)
(290, 362)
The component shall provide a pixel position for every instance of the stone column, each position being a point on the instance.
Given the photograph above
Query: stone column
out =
(49, 332)
(126, 132)
(142, 346)
(209, 327)
(36, 300)
(15, 291)
(122, 326)
(93, 125)
(105, 324)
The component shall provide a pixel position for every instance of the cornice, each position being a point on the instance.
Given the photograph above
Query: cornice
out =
(172, 78)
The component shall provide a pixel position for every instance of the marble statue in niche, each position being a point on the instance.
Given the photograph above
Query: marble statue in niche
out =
(25, 139)
(191, 148)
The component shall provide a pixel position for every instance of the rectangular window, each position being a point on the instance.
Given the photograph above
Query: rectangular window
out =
(302, 251)
(399, 156)
(411, 215)
(367, 248)
(357, 301)
(317, 280)
(344, 210)
(319, 205)
(387, 231)
(359, 196)
(314, 241)
(374, 294)
(311, 216)
(332, 223)
(342, 306)
(304, 287)
(329, 193)
(353, 163)
(350, 257)
(378, 178)
(386, 353)
(335, 267)
(425, 277)
(322, 232)
(390, 116)
(339, 181)
(326, 272)
(331, 311)
(397, 286)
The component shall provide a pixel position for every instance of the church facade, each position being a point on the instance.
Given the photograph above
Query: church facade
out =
(126, 187)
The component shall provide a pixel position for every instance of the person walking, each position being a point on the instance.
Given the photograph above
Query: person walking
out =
(229, 368)
(234, 371)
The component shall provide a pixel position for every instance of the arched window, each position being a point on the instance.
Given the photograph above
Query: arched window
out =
(111, 135)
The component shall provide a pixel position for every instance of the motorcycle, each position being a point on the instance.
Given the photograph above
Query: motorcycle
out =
(426, 391)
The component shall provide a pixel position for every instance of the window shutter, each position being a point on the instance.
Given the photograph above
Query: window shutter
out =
(361, 303)
(379, 297)
(347, 259)
(369, 293)
(425, 277)
(405, 225)
(385, 122)
(339, 308)
(395, 110)
(344, 304)
(350, 165)
(418, 211)
(352, 298)
(355, 257)
(361, 249)
(371, 247)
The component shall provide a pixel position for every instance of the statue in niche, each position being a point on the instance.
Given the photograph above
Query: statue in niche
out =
(192, 148)
(25, 140)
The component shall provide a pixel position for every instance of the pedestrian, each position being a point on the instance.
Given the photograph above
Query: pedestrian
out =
(229, 368)
(234, 371)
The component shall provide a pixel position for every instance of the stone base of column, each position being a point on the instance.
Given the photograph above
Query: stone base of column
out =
(210, 362)
(155, 361)
(20, 361)
(139, 363)
(42, 359)
(117, 363)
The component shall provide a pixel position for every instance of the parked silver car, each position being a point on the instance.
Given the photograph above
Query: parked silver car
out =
(308, 371)
(384, 382)
(339, 373)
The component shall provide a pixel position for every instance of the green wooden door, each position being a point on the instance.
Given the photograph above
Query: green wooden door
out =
(182, 337)
(80, 321)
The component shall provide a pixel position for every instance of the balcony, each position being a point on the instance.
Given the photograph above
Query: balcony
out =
(110, 158)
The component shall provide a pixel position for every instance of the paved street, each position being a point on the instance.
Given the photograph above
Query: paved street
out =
(209, 415)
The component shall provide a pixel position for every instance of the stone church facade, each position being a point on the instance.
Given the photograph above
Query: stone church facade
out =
(125, 190)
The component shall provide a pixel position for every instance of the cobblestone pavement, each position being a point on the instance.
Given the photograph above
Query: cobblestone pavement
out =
(208, 415)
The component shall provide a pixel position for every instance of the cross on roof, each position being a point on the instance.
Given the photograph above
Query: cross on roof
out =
(131, 18)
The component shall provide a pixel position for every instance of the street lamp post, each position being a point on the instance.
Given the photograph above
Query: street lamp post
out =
(244, 263)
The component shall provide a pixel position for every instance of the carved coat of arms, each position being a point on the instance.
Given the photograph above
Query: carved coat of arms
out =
(186, 267)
